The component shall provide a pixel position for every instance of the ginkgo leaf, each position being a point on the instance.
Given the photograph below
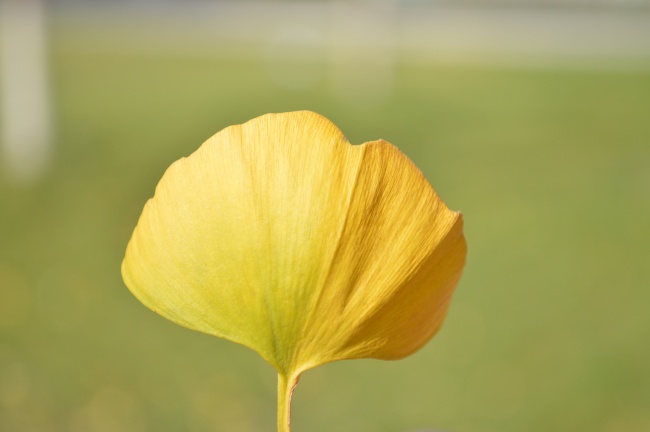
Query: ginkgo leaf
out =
(280, 235)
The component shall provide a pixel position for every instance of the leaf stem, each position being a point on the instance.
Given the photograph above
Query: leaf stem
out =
(286, 384)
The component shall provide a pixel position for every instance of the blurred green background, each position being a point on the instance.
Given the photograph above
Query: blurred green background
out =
(549, 163)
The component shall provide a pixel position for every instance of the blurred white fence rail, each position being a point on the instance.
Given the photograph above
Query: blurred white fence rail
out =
(25, 139)
(407, 31)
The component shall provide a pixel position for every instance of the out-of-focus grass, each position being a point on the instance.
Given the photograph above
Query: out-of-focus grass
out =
(549, 327)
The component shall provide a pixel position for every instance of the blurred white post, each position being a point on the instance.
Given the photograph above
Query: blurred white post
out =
(25, 137)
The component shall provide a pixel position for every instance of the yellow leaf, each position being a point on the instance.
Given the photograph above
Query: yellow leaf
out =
(281, 236)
